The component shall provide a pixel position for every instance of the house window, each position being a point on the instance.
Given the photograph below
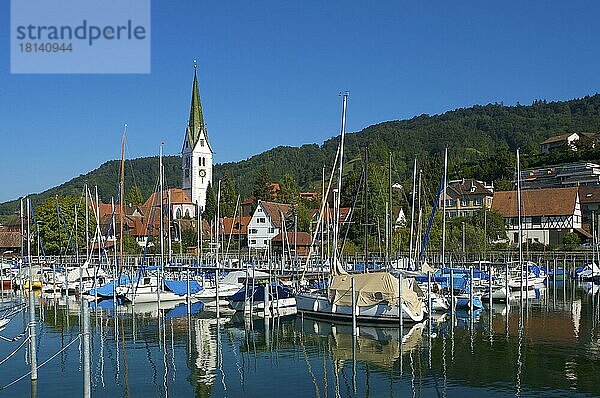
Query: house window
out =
(271, 230)
(203, 161)
(253, 231)
(199, 161)
(464, 202)
(178, 213)
(536, 221)
(253, 241)
(265, 241)
(201, 142)
(478, 201)
(261, 220)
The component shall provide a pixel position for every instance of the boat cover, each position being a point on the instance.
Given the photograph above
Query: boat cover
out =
(372, 289)
(107, 290)
(277, 291)
(181, 309)
(180, 287)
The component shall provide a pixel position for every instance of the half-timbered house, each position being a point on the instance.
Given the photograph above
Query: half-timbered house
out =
(546, 214)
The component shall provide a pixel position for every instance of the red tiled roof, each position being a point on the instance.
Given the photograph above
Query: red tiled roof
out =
(344, 214)
(178, 196)
(556, 138)
(589, 194)
(536, 202)
(303, 238)
(274, 211)
(231, 225)
(10, 240)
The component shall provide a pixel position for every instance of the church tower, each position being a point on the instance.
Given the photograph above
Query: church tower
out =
(196, 154)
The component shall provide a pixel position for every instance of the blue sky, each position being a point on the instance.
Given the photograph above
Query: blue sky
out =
(270, 74)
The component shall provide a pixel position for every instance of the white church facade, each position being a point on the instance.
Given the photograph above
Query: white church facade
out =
(196, 153)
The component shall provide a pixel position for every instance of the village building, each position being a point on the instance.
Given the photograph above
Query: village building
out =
(196, 154)
(294, 243)
(566, 140)
(467, 196)
(266, 222)
(10, 243)
(589, 197)
(546, 214)
(328, 217)
(236, 228)
(567, 175)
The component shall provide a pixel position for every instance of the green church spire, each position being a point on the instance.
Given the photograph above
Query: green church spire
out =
(196, 122)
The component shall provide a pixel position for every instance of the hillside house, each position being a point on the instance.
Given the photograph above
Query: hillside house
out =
(559, 141)
(546, 214)
(467, 196)
(266, 223)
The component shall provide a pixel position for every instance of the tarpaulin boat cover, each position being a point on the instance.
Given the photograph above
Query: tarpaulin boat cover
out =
(277, 291)
(181, 309)
(180, 287)
(107, 290)
(373, 289)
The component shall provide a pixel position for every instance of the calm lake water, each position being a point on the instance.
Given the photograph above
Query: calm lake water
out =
(548, 347)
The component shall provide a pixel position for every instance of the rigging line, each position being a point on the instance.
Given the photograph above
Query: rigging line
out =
(148, 234)
(135, 184)
(16, 338)
(62, 218)
(15, 351)
(349, 216)
(42, 364)
(37, 228)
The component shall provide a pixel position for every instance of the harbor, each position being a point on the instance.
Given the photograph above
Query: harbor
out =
(311, 199)
(546, 344)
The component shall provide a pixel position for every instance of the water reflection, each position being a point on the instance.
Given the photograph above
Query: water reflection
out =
(545, 343)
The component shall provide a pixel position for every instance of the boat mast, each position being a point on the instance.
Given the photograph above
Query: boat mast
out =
(336, 207)
(162, 234)
(121, 200)
(412, 212)
(366, 207)
(444, 208)
(520, 227)
(388, 229)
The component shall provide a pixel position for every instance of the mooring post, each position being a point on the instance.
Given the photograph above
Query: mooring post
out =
(187, 277)
(353, 308)
(400, 310)
(87, 391)
(490, 286)
(471, 291)
(429, 300)
(452, 290)
(32, 345)
(267, 311)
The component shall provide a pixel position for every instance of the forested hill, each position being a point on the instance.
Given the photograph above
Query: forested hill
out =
(481, 142)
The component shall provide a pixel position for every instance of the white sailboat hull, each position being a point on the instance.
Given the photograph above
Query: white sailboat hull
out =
(319, 305)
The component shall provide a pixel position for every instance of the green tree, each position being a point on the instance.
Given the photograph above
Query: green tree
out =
(228, 195)
(130, 245)
(134, 196)
(53, 233)
(210, 209)
(288, 190)
(263, 188)
(189, 237)
(571, 238)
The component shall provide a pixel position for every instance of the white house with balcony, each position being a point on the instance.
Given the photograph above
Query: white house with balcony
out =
(266, 223)
(546, 214)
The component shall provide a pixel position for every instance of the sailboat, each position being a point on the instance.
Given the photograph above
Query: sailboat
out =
(376, 295)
